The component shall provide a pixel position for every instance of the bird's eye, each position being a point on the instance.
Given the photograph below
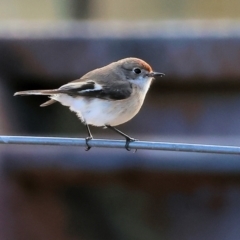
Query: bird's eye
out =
(137, 70)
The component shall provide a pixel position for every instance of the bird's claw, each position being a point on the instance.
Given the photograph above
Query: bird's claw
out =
(128, 140)
(87, 139)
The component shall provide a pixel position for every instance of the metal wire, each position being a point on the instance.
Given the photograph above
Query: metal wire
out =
(105, 143)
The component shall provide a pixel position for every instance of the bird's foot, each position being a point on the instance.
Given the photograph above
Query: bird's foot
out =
(128, 140)
(87, 139)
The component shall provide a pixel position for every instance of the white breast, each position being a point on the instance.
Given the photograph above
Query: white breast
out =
(99, 112)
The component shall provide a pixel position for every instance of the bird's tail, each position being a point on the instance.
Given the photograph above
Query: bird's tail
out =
(39, 92)
(36, 92)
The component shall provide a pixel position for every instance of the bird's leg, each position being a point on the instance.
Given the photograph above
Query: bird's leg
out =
(128, 138)
(89, 137)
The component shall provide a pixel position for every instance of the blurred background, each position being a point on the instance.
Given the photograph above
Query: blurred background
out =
(64, 193)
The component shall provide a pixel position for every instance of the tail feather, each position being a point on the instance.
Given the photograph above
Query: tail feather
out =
(39, 92)
(36, 92)
(47, 103)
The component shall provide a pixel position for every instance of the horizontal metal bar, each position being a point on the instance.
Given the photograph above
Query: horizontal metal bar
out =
(105, 143)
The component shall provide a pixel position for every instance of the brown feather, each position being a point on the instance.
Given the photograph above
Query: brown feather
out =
(36, 92)
(47, 103)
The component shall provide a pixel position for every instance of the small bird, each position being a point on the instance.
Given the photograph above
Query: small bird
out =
(105, 97)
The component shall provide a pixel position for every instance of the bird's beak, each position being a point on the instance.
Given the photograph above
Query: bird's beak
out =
(156, 74)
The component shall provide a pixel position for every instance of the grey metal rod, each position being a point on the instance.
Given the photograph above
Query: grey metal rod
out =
(183, 147)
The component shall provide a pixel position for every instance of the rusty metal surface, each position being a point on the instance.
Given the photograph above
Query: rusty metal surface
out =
(183, 50)
(21, 158)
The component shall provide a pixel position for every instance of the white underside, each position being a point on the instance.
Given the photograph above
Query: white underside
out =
(99, 112)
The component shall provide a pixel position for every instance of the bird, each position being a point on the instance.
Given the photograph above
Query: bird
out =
(105, 97)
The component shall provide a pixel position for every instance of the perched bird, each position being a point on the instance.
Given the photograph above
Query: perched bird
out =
(105, 97)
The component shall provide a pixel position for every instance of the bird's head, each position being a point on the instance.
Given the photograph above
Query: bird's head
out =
(137, 71)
